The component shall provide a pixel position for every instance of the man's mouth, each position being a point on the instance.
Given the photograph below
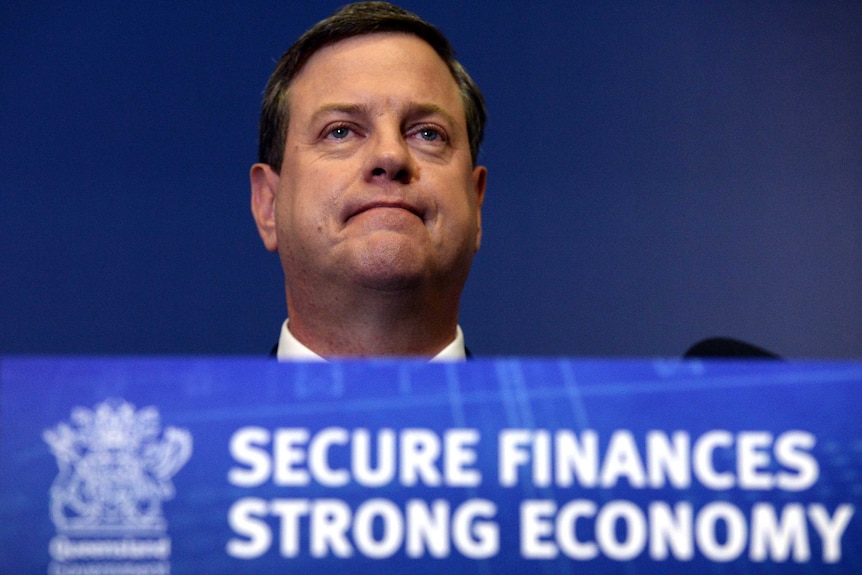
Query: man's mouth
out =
(385, 205)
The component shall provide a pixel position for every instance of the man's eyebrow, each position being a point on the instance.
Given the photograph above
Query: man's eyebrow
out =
(412, 110)
(422, 109)
(346, 109)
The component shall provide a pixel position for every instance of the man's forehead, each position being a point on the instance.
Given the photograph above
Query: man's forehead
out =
(401, 70)
(371, 40)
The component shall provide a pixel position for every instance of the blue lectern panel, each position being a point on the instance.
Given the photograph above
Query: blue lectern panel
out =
(189, 466)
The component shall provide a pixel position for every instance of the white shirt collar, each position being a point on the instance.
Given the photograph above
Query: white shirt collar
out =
(290, 348)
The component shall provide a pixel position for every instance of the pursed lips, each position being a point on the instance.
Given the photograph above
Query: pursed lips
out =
(384, 204)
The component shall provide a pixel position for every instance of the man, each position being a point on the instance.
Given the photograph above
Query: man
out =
(367, 186)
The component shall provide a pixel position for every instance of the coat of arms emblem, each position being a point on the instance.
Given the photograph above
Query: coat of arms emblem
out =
(115, 469)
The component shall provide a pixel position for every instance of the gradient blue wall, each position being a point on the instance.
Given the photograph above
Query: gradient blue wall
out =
(659, 172)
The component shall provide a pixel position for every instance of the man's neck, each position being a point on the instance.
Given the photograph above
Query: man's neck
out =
(379, 324)
(291, 349)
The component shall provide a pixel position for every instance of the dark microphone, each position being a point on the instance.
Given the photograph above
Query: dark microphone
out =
(727, 348)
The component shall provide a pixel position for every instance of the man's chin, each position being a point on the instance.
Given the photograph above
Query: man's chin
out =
(390, 266)
(390, 277)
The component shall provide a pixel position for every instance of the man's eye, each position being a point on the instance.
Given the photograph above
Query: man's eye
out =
(430, 135)
(340, 132)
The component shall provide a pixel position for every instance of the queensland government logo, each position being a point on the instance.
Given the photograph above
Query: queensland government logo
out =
(115, 465)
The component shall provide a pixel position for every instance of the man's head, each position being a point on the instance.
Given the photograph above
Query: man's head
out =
(370, 195)
(353, 20)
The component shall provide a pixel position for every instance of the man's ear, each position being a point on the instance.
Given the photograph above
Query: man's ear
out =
(480, 177)
(264, 184)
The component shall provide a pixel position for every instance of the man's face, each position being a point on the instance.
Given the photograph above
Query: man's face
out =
(377, 186)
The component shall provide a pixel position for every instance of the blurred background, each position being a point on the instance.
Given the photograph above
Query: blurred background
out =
(658, 173)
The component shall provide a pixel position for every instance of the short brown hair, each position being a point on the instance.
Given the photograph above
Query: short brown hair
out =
(358, 19)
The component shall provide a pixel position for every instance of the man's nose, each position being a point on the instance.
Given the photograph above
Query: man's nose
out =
(390, 158)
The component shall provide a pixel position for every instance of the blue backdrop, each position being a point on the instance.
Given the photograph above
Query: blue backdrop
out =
(659, 172)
